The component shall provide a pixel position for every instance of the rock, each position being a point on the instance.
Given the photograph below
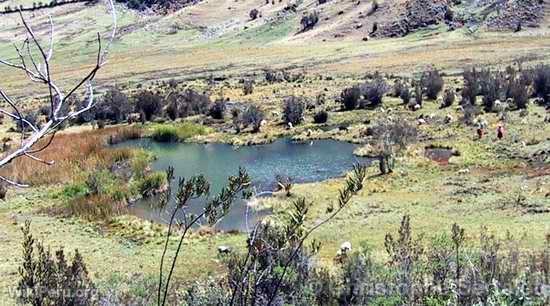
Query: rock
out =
(263, 123)
(421, 121)
(417, 107)
(448, 119)
(223, 249)
(290, 125)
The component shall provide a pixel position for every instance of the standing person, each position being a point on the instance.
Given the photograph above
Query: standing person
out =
(479, 132)
(500, 131)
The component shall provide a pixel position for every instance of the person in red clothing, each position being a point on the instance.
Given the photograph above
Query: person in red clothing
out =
(500, 131)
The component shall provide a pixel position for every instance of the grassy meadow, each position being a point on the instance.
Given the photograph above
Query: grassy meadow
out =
(491, 183)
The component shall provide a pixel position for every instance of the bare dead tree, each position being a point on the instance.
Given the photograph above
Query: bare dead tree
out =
(38, 69)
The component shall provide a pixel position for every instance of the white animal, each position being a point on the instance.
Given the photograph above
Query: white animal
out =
(421, 121)
(345, 247)
(464, 171)
(448, 119)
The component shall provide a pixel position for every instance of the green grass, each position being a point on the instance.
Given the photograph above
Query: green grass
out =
(171, 132)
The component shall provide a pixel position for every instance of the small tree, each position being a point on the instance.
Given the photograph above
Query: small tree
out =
(375, 90)
(390, 138)
(432, 83)
(113, 106)
(252, 116)
(293, 111)
(350, 97)
(308, 21)
(254, 14)
(148, 103)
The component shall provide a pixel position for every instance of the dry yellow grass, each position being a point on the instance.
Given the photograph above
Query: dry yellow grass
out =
(73, 154)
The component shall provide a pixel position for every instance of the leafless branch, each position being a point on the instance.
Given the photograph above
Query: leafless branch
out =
(38, 69)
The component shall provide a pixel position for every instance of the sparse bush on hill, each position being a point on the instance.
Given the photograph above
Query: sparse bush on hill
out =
(253, 14)
(293, 111)
(309, 20)
(148, 103)
(432, 83)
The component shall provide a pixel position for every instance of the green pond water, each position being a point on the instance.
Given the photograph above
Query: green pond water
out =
(304, 162)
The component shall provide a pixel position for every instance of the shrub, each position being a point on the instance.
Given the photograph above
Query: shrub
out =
(217, 111)
(248, 87)
(178, 132)
(375, 90)
(405, 94)
(254, 14)
(418, 97)
(273, 76)
(293, 111)
(308, 21)
(492, 87)
(187, 103)
(42, 275)
(471, 88)
(448, 98)
(397, 88)
(320, 117)
(350, 98)
(433, 83)
(152, 184)
(252, 116)
(113, 106)
(148, 103)
(541, 82)
(31, 117)
(519, 93)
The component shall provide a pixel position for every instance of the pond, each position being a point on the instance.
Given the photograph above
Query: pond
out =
(304, 162)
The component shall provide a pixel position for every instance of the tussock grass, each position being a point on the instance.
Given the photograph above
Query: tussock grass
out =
(177, 132)
(73, 154)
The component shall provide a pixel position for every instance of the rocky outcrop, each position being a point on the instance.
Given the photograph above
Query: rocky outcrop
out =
(410, 15)
(516, 14)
